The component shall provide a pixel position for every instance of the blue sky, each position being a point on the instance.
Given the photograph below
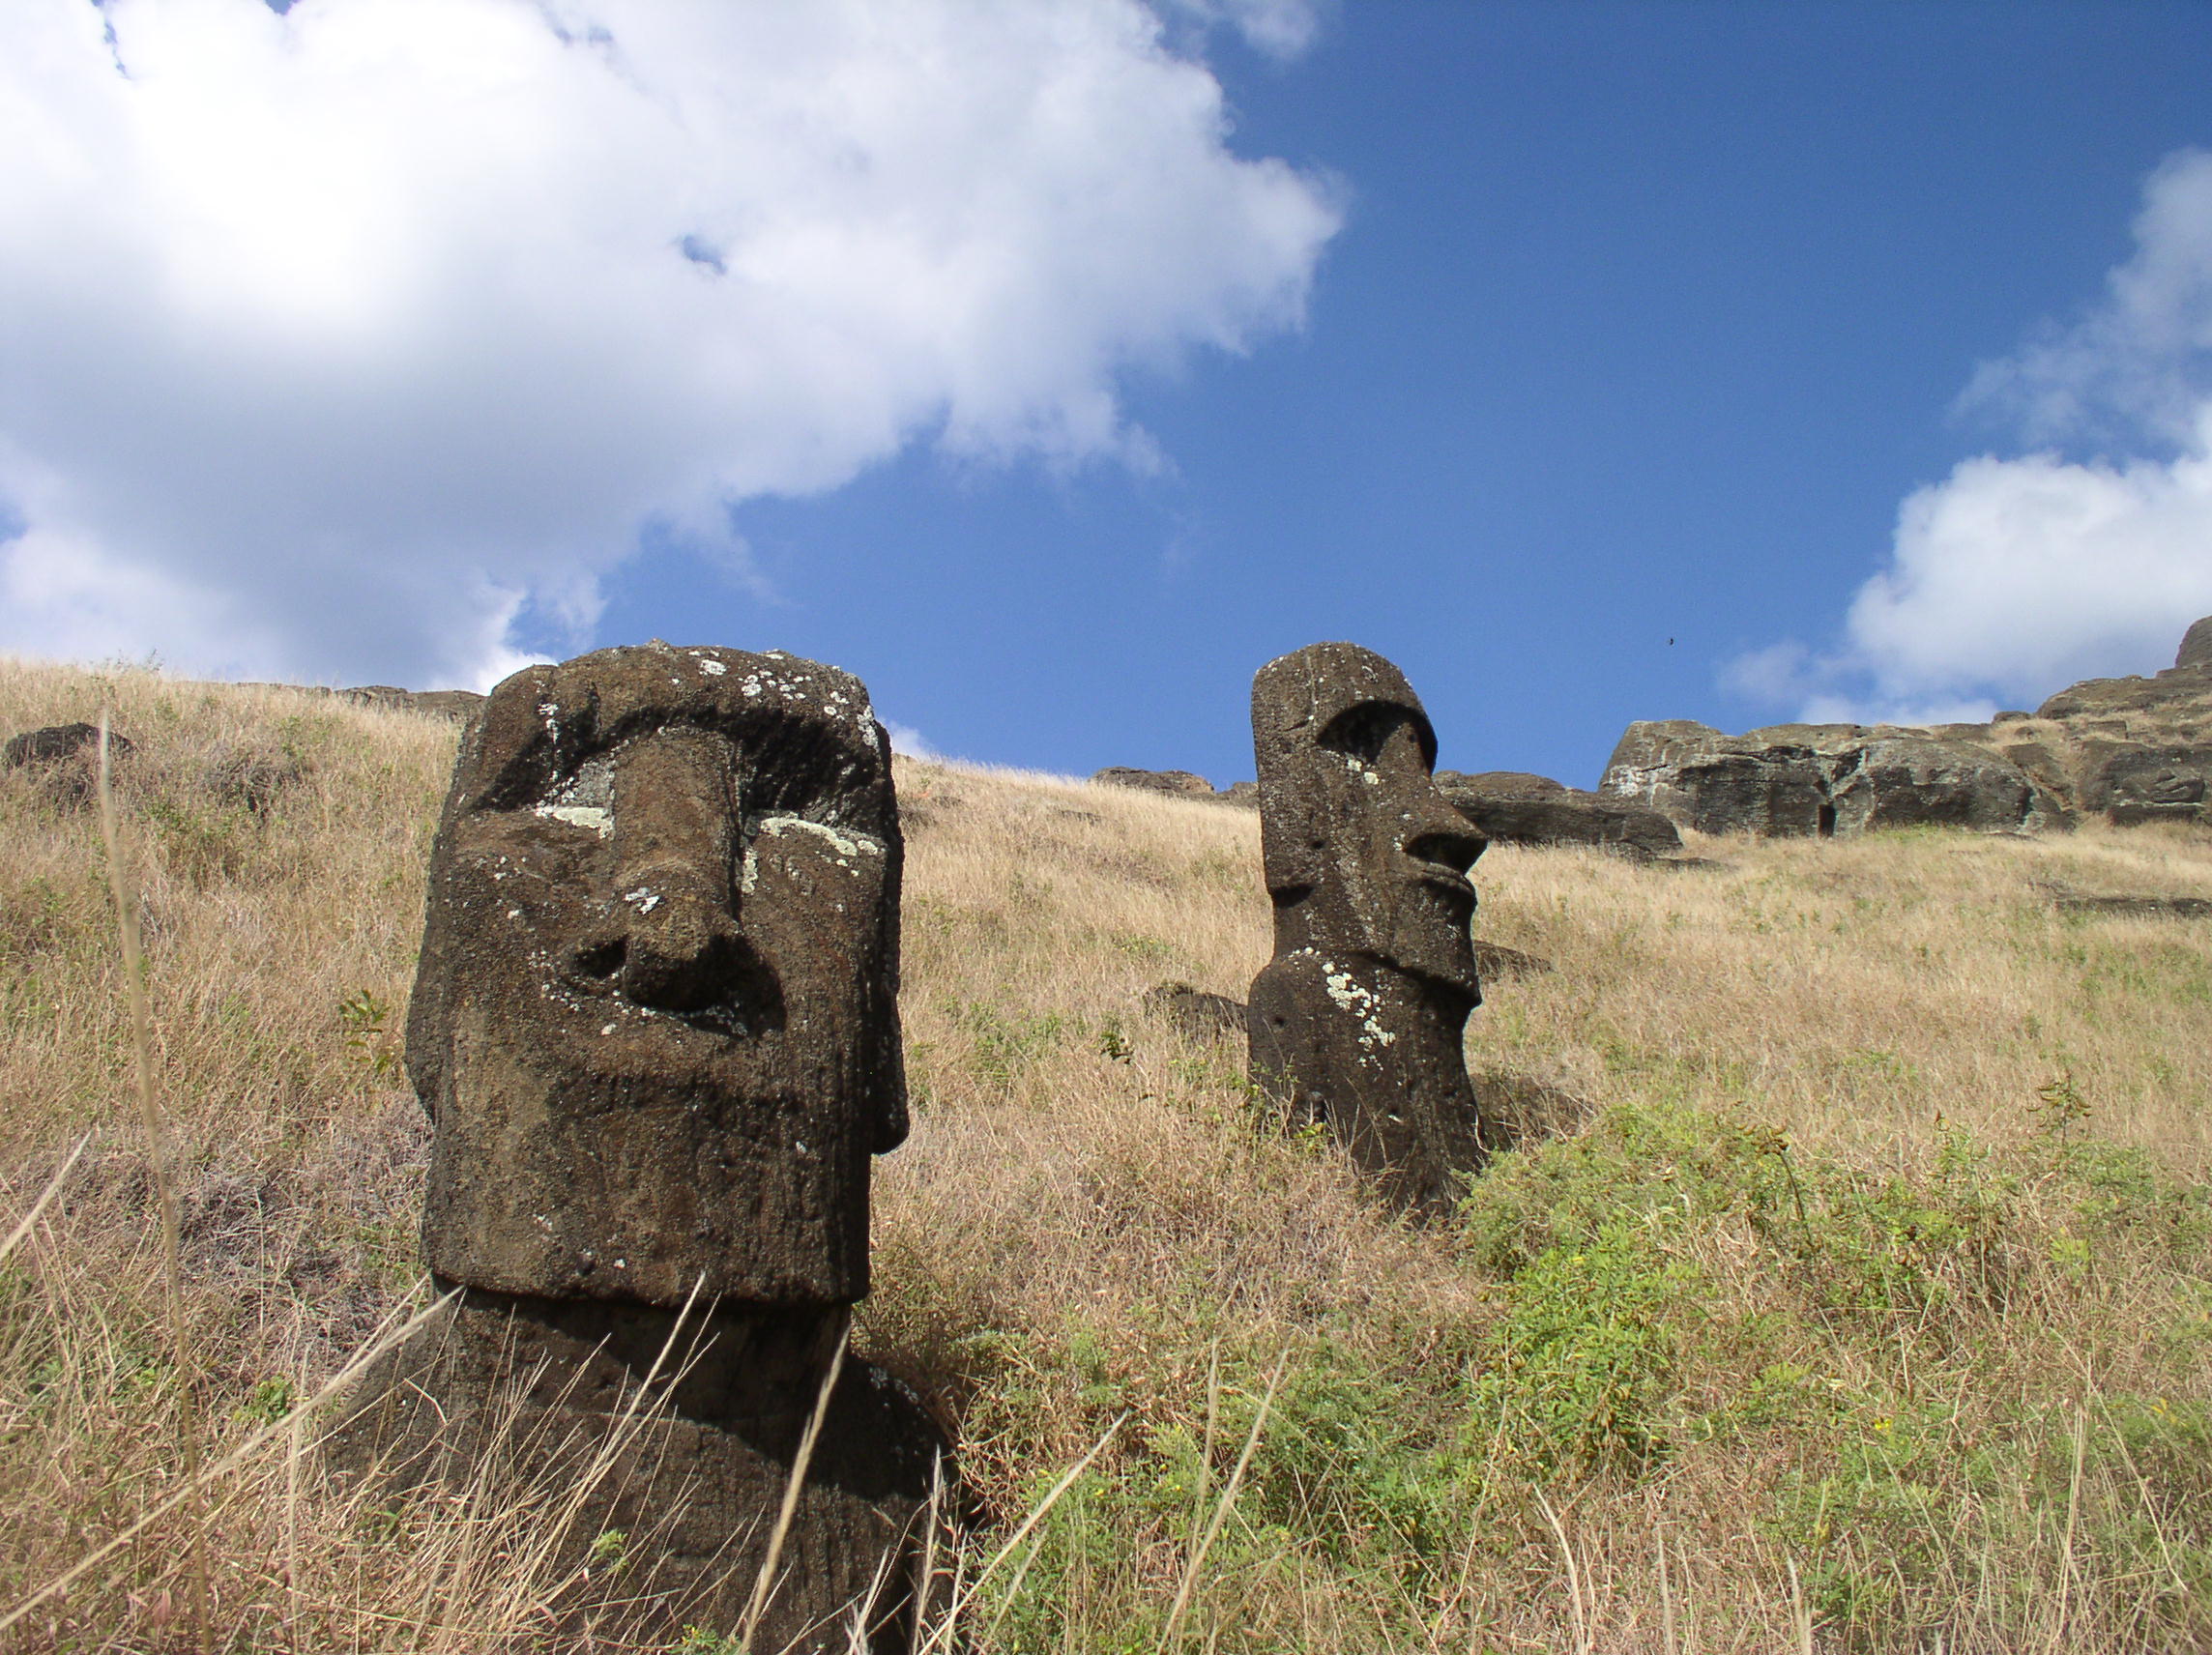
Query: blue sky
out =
(1581, 359)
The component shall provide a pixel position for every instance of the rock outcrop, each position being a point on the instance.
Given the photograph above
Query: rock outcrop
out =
(63, 759)
(656, 1027)
(1820, 779)
(2132, 751)
(1199, 1015)
(1357, 1021)
(1180, 783)
(2195, 646)
(1514, 809)
(459, 704)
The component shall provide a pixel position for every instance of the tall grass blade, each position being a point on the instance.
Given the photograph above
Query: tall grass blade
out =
(1222, 1507)
(53, 1188)
(943, 1634)
(164, 1178)
(252, 1446)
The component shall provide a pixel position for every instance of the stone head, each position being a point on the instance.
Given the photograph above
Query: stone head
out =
(1363, 855)
(655, 1020)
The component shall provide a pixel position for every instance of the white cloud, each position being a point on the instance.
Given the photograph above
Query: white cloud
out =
(2014, 577)
(332, 342)
(1281, 29)
(2026, 575)
(908, 741)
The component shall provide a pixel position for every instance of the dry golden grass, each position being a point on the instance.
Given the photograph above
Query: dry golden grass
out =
(1870, 1311)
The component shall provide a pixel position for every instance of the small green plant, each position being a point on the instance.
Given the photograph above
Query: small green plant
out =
(2061, 1108)
(271, 1400)
(698, 1641)
(365, 1019)
(1113, 1044)
(608, 1551)
(1580, 1375)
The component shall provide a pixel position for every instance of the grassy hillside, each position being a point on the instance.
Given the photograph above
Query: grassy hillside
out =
(1868, 1306)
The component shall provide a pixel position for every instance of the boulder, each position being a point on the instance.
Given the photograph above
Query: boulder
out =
(1501, 784)
(2134, 784)
(1194, 1012)
(1180, 783)
(1567, 818)
(1357, 1021)
(64, 759)
(59, 744)
(1905, 781)
(2195, 646)
(1794, 780)
(1696, 777)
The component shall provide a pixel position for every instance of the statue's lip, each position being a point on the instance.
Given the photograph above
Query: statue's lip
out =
(1444, 879)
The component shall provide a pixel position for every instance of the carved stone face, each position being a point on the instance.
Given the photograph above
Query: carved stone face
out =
(655, 1021)
(1363, 855)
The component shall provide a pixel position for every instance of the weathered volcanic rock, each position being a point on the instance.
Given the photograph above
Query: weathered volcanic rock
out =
(1199, 1015)
(1502, 784)
(58, 743)
(1807, 779)
(2136, 784)
(1903, 781)
(457, 704)
(2195, 646)
(1177, 782)
(1357, 1020)
(1699, 778)
(1566, 817)
(65, 758)
(690, 1469)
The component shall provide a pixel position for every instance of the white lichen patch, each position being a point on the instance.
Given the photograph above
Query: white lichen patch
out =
(599, 820)
(847, 846)
(843, 843)
(1360, 1000)
(1353, 997)
(712, 667)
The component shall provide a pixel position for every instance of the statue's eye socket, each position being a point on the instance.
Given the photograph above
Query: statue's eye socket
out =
(1366, 732)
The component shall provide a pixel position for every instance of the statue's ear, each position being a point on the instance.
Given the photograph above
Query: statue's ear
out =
(511, 750)
(887, 1091)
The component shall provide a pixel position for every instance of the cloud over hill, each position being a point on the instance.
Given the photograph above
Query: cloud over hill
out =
(348, 339)
(2086, 557)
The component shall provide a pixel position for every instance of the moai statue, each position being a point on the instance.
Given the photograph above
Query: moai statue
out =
(655, 1026)
(1357, 1020)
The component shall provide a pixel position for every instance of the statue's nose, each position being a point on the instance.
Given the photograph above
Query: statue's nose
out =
(1439, 834)
(680, 948)
(672, 938)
